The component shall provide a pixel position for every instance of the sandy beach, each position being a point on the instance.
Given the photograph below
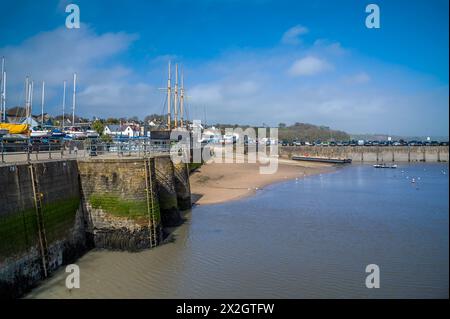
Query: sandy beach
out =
(219, 182)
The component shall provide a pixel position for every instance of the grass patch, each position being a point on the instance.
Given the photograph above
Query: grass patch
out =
(114, 205)
(59, 217)
(194, 166)
(19, 231)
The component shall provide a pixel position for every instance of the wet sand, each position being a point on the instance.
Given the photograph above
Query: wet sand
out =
(220, 182)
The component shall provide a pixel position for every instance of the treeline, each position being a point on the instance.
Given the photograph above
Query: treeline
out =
(304, 132)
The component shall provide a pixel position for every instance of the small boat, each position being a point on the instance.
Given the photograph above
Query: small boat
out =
(92, 134)
(15, 128)
(385, 166)
(39, 132)
(58, 133)
(75, 133)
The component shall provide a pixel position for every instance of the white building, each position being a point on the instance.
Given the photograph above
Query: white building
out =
(121, 130)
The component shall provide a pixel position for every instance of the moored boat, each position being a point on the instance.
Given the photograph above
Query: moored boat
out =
(385, 166)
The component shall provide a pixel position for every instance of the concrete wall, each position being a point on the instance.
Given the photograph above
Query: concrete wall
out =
(122, 205)
(107, 203)
(372, 153)
(165, 179)
(21, 262)
(182, 186)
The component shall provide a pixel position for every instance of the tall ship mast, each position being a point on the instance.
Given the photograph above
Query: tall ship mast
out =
(169, 94)
(182, 99)
(176, 96)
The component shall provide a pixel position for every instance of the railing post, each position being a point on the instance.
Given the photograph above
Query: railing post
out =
(28, 150)
(3, 155)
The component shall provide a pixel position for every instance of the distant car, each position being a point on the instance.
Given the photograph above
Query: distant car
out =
(414, 143)
(443, 143)
(284, 143)
(297, 143)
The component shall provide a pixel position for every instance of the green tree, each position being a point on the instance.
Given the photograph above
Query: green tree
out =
(98, 126)
(112, 120)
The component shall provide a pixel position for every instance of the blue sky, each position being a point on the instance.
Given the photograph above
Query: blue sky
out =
(256, 61)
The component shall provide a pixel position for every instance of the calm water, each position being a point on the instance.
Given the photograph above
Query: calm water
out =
(298, 239)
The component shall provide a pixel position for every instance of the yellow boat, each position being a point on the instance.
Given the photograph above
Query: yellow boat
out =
(15, 128)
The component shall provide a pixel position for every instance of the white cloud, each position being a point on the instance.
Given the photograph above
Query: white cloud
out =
(105, 87)
(292, 36)
(309, 65)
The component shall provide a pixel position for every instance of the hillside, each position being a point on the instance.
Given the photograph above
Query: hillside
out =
(309, 132)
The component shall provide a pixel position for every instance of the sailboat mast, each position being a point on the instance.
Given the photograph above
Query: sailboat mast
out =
(169, 93)
(63, 104)
(27, 87)
(2, 93)
(31, 100)
(176, 96)
(42, 102)
(74, 97)
(4, 96)
(182, 98)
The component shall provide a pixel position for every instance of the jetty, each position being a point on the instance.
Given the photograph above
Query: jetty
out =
(322, 159)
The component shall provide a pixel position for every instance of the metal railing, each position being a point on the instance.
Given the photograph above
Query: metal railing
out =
(27, 150)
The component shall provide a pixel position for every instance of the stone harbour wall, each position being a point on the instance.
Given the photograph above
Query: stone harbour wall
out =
(371, 153)
(52, 212)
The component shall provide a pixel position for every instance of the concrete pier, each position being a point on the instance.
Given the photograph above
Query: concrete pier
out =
(375, 154)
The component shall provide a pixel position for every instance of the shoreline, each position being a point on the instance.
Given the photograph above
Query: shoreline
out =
(215, 183)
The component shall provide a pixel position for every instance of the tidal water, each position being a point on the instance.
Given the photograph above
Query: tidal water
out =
(306, 238)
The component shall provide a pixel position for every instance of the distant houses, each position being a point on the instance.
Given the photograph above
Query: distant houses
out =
(117, 130)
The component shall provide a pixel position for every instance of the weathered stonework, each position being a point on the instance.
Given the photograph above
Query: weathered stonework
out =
(165, 180)
(112, 204)
(121, 202)
(182, 186)
(21, 262)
